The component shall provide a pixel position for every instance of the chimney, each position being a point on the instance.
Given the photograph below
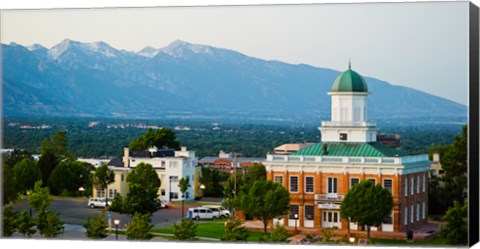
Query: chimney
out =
(126, 157)
(183, 148)
(325, 149)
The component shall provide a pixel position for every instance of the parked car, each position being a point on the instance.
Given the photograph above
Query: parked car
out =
(203, 213)
(98, 202)
(220, 211)
(163, 204)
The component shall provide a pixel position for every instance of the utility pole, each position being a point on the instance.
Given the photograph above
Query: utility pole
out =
(235, 177)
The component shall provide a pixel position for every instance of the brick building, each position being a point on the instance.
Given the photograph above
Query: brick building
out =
(319, 176)
(226, 162)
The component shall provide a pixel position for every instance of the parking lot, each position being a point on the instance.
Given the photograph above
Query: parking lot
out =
(74, 211)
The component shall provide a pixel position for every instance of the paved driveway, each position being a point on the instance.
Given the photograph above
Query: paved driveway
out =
(74, 212)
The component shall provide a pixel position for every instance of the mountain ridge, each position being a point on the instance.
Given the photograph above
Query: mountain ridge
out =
(75, 78)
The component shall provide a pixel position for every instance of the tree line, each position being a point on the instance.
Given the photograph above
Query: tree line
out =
(207, 139)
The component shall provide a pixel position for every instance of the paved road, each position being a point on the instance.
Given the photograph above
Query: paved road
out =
(74, 212)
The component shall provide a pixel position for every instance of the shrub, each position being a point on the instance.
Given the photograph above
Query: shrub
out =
(185, 230)
(96, 226)
(25, 224)
(139, 227)
(234, 231)
(279, 233)
(49, 224)
(9, 221)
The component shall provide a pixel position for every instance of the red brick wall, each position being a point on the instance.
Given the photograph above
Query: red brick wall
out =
(343, 182)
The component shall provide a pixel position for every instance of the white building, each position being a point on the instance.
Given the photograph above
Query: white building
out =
(170, 165)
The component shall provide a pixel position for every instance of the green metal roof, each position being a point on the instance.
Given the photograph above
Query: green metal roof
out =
(372, 149)
(349, 81)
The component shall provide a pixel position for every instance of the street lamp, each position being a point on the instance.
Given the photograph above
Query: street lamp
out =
(116, 222)
(296, 218)
(170, 189)
(352, 240)
(202, 188)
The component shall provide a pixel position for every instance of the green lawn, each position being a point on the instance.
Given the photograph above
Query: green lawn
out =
(210, 229)
(437, 241)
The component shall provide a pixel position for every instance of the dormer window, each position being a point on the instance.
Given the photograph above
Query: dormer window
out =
(343, 136)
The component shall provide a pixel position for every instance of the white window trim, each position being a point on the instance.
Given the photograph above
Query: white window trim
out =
(418, 211)
(305, 184)
(423, 186)
(406, 185)
(328, 184)
(278, 176)
(411, 214)
(412, 185)
(290, 184)
(423, 210)
(418, 184)
(350, 181)
(383, 183)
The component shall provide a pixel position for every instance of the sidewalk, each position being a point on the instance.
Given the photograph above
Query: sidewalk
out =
(424, 232)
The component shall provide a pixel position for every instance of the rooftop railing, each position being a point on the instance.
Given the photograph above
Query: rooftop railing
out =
(347, 123)
(346, 159)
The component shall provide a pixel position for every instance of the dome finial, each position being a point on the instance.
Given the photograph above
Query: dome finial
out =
(349, 64)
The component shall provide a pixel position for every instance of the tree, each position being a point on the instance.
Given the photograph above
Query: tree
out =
(47, 163)
(232, 185)
(185, 230)
(26, 173)
(67, 178)
(25, 224)
(139, 227)
(102, 177)
(143, 184)
(59, 143)
(454, 164)
(265, 200)
(9, 221)
(96, 226)
(160, 138)
(117, 204)
(256, 172)
(49, 224)
(234, 231)
(456, 229)
(184, 184)
(39, 198)
(10, 191)
(444, 190)
(367, 204)
(213, 180)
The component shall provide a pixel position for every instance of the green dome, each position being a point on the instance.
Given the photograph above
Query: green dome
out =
(349, 81)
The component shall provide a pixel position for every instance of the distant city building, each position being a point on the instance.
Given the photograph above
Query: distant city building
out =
(436, 167)
(286, 149)
(95, 162)
(390, 140)
(226, 162)
(319, 176)
(170, 165)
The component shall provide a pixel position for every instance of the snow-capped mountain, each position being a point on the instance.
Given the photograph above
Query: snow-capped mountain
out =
(75, 78)
(148, 52)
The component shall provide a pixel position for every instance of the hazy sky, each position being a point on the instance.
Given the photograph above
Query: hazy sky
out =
(420, 45)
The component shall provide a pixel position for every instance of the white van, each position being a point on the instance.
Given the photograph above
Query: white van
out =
(220, 211)
(201, 213)
(97, 202)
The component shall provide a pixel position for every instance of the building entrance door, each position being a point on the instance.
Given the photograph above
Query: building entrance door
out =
(331, 219)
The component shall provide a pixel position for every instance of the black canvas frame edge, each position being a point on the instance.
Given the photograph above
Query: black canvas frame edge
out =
(473, 130)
